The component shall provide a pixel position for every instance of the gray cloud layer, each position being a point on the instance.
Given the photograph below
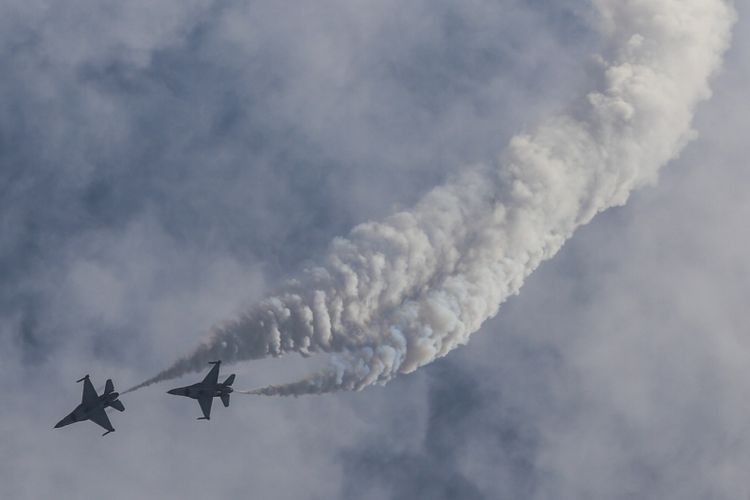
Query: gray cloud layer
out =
(624, 356)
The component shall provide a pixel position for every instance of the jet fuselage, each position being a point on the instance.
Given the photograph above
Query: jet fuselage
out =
(199, 390)
(82, 411)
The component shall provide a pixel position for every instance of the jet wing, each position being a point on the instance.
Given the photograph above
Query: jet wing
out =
(89, 396)
(206, 406)
(213, 376)
(99, 416)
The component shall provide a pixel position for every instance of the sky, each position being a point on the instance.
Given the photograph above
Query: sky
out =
(164, 165)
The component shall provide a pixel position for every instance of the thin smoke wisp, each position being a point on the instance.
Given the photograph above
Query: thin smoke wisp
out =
(397, 294)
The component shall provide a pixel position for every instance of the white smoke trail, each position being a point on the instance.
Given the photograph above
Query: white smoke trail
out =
(395, 295)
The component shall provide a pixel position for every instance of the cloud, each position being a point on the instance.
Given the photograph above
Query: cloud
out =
(176, 160)
(458, 417)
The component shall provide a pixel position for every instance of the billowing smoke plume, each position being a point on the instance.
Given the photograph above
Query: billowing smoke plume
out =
(397, 294)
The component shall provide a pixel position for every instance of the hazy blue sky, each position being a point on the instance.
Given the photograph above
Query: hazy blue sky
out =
(165, 164)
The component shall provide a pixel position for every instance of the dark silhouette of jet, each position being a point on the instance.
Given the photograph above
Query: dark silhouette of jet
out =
(208, 389)
(92, 406)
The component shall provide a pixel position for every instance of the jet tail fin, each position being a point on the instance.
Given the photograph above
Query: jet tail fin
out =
(225, 400)
(82, 378)
(117, 405)
(109, 386)
(229, 380)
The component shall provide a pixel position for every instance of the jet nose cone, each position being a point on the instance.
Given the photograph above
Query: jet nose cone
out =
(176, 392)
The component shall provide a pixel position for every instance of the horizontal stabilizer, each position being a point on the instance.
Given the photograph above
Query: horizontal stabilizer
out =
(109, 386)
(225, 400)
(229, 380)
(117, 405)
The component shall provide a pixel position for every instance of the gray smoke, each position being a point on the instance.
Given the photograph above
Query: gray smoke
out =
(398, 294)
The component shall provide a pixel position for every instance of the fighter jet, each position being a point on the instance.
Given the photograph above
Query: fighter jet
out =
(208, 389)
(92, 406)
